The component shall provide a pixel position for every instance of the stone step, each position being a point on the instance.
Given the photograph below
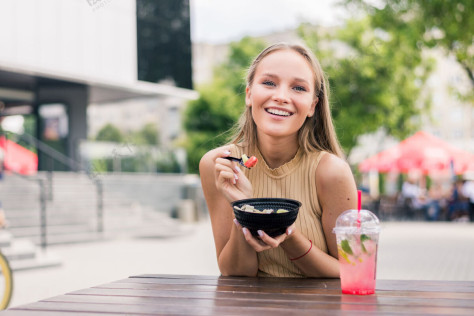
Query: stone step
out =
(5, 238)
(51, 230)
(22, 253)
(42, 259)
(20, 249)
(72, 238)
(23, 222)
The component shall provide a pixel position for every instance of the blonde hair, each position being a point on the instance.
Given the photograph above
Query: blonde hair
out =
(317, 132)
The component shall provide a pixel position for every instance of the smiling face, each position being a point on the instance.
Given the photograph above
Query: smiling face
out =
(281, 95)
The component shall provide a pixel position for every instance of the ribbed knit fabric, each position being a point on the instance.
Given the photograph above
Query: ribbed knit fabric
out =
(293, 180)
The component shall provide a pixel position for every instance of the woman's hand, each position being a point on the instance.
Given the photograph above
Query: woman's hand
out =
(264, 242)
(230, 180)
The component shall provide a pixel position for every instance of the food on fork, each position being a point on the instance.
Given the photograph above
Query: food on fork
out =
(245, 160)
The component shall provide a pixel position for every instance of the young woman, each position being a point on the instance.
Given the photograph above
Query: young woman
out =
(287, 125)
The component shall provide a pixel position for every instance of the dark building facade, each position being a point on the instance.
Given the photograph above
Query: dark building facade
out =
(164, 41)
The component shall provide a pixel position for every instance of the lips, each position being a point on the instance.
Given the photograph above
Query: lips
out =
(278, 112)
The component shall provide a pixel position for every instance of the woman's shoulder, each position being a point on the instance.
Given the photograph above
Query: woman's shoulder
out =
(334, 176)
(332, 167)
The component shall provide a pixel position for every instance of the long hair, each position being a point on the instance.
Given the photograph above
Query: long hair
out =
(317, 132)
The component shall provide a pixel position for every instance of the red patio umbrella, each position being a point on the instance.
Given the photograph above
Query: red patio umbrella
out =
(18, 158)
(421, 152)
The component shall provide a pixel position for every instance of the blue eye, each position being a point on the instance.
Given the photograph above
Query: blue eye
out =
(268, 83)
(299, 88)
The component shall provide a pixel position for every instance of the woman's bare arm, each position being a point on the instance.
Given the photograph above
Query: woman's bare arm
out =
(234, 255)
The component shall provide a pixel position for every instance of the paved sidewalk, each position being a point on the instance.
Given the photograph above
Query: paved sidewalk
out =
(436, 251)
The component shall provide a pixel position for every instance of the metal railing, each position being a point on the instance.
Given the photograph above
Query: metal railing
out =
(46, 184)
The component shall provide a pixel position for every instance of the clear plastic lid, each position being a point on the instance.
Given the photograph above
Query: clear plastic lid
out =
(348, 222)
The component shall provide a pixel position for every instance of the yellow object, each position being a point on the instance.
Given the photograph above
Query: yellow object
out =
(7, 285)
(343, 254)
(245, 158)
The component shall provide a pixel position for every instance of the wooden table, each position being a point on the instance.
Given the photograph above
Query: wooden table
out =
(210, 295)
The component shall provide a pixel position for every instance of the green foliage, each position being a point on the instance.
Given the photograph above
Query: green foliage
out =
(29, 124)
(436, 23)
(100, 165)
(375, 79)
(168, 164)
(144, 159)
(147, 135)
(110, 133)
(207, 119)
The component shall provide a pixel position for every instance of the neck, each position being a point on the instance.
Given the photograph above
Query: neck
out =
(277, 152)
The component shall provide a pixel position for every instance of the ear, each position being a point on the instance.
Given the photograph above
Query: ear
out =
(313, 107)
(248, 95)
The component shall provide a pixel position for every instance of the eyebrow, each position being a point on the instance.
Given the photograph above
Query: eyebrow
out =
(275, 76)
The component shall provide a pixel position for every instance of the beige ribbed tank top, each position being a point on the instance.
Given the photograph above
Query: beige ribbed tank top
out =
(293, 180)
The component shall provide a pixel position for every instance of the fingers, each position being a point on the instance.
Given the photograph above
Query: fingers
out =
(290, 230)
(225, 172)
(230, 179)
(255, 243)
(276, 241)
(264, 242)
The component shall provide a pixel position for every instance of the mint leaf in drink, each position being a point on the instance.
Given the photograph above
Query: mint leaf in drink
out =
(363, 238)
(345, 246)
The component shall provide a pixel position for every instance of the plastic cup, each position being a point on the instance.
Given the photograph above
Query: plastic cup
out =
(357, 241)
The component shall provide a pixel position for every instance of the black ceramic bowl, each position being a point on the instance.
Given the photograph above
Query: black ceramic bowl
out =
(273, 224)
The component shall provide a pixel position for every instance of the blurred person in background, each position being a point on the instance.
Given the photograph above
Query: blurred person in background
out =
(468, 192)
(437, 202)
(414, 198)
(458, 204)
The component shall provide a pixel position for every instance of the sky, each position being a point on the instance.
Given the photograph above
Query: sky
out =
(221, 21)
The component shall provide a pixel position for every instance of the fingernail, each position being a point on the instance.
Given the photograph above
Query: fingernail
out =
(260, 233)
(237, 169)
(289, 231)
(236, 222)
(233, 181)
(235, 176)
(227, 153)
(245, 231)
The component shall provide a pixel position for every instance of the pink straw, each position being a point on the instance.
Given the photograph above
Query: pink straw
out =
(359, 204)
(359, 200)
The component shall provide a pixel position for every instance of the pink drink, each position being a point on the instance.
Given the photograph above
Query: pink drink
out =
(358, 269)
(357, 234)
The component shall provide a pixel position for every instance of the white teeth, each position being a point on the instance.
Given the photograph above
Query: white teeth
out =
(278, 112)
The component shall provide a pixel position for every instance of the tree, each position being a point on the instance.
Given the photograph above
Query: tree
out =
(208, 119)
(110, 133)
(147, 135)
(447, 25)
(375, 79)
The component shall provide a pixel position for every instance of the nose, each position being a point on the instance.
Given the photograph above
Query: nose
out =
(281, 95)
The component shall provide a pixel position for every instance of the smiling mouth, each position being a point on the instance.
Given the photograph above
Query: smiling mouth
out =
(278, 112)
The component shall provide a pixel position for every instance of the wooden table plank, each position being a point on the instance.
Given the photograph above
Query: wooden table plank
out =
(254, 289)
(398, 285)
(126, 305)
(14, 312)
(211, 295)
(159, 307)
(285, 298)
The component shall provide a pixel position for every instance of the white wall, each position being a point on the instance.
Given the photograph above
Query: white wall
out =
(70, 37)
